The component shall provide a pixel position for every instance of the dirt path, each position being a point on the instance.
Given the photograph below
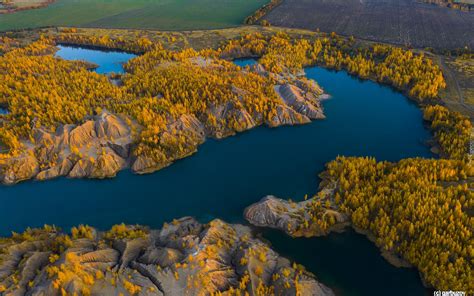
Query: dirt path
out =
(449, 72)
(453, 82)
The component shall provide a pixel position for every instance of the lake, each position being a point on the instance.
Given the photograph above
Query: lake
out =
(225, 176)
(107, 61)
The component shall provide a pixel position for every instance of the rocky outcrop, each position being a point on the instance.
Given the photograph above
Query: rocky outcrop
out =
(270, 211)
(185, 257)
(19, 169)
(284, 115)
(310, 87)
(293, 217)
(97, 148)
(224, 114)
(144, 164)
(302, 102)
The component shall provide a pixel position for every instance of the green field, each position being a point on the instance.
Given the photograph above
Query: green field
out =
(149, 14)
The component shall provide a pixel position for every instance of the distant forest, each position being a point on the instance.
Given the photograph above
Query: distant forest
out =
(466, 5)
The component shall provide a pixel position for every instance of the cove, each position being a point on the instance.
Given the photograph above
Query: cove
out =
(348, 263)
(107, 61)
(363, 118)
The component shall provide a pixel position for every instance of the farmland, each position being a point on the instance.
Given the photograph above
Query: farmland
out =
(404, 22)
(160, 14)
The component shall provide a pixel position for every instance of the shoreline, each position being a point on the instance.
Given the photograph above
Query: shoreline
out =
(340, 227)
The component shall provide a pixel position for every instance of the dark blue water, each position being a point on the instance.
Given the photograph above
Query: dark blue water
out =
(3, 111)
(225, 176)
(348, 263)
(108, 61)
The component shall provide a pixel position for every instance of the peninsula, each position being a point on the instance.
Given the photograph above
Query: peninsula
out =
(79, 124)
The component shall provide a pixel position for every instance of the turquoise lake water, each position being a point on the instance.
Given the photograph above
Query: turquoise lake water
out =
(245, 62)
(108, 61)
(225, 176)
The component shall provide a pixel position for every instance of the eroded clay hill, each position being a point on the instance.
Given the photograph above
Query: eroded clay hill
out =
(183, 258)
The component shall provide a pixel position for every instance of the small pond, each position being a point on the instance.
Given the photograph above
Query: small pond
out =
(107, 61)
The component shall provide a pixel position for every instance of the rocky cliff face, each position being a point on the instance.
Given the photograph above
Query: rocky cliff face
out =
(183, 258)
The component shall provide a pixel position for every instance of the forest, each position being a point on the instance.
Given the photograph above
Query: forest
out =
(413, 73)
(416, 75)
(158, 87)
(461, 5)
(418, 209)
(452, 131)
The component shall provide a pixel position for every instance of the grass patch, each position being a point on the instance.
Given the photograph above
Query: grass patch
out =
(140, 14)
